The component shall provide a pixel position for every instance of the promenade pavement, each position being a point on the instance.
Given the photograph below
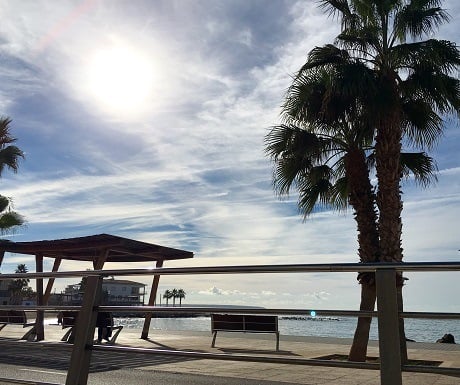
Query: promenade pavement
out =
(264, 345)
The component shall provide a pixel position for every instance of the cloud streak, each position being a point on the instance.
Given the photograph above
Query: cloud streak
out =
(189, 170)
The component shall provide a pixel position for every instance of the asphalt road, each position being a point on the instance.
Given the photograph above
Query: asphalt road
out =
(36, 362)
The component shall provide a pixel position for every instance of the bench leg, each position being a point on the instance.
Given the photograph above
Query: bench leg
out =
(65, 337)
(277, 341)
(214, 339)
(30, 335)
(114, 336)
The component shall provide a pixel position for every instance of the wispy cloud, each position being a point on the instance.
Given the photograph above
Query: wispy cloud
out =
(189, 169)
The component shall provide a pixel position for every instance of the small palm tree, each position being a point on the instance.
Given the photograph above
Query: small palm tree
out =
(167, 295)
(181, 295)
(174, 296)
(18, 287)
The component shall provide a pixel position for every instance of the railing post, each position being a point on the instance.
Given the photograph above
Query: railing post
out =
(84, 333)
(388, 322)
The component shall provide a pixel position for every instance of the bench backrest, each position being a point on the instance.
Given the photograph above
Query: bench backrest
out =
(69, 319)
(13, 317)
(241, 322)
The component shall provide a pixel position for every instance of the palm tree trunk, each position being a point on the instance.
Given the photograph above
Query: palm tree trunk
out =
(389, 202)
(388, 169)
(358, 350)
(362, 198)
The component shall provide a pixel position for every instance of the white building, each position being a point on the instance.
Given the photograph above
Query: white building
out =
(114, 292)
(123, 292)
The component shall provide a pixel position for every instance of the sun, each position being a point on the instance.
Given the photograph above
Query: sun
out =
(120, 79)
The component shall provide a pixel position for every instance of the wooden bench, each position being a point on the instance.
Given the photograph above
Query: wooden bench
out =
(245, 324)
(68, 319)
(15, 317)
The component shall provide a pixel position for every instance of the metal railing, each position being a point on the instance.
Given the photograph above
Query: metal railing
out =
(387, 314)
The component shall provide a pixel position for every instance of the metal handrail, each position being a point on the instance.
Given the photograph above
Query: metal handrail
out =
(250, 269)
(234, 310)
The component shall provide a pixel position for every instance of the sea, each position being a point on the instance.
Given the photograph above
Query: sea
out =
(419, 330)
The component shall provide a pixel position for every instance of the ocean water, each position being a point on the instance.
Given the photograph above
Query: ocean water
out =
(420, 330)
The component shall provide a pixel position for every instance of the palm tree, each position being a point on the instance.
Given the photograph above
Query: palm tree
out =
(181, 295)
(403, 89)
(167, 295)
(9, 157)
(174, 296)
(326, 151)
(405, 77)
(19, 286)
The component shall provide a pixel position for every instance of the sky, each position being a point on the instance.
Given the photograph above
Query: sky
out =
(146, 120)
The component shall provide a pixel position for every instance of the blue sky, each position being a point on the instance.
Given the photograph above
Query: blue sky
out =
(146, 119)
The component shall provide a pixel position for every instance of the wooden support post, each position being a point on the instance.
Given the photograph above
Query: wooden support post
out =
(84, 333)
(153, 294)
(388, 322)
(98, 263)
(33, 332)
(49, 285)
(40, 330)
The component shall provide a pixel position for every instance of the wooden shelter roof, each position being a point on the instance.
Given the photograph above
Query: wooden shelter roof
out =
(89, 248)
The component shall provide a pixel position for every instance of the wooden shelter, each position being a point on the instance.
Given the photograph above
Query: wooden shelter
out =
(97, 249)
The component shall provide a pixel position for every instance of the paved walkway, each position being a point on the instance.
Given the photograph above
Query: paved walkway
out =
(264, 345)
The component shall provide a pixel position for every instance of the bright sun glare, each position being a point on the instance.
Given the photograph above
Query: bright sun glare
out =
(121, 79)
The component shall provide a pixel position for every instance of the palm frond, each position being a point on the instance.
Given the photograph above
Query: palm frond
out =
(422, 126)
(325, 56)
(339, 194)
(313, 194)
(441, 55)
(288, 140)
(335, 7)
(439, 90)
(9, 157)
(4, 203)
(10, 221)
(5, 136)
(363, 41)
(420, 165)
(418, 18)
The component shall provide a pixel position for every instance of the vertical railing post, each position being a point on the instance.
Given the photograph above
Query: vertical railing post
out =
(39, 328)
(84, 333)
(388, 323)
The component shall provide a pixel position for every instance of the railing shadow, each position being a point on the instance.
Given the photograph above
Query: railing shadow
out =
(57, 356)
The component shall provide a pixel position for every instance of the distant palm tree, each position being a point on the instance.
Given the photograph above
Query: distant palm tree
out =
(181, 295)
(18, 287)
(167, 295)
(174, 296)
